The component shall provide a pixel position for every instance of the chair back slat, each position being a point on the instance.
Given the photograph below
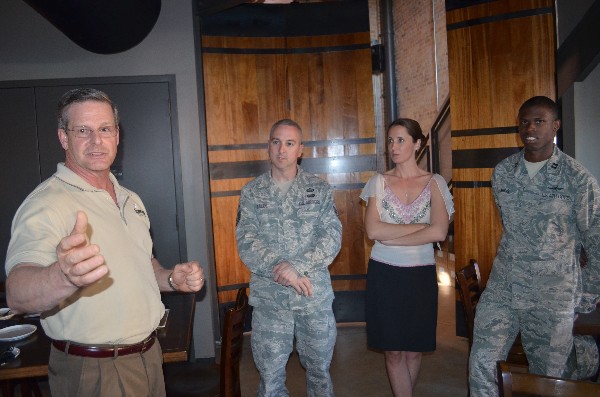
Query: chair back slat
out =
(231, 346)
(467, 279)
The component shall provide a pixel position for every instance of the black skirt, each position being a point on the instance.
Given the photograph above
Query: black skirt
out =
(401, 307)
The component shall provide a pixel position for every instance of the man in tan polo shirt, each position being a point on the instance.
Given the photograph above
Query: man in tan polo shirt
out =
(81, 255)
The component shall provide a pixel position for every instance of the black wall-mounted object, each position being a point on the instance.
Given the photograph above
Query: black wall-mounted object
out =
(102, 27)
(377, 58)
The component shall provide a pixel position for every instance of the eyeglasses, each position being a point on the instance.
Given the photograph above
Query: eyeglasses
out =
(84, 132)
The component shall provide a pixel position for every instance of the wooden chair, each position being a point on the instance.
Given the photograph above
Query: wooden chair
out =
(28, 387)
(189, 379)
(468, 281)
(514, 380)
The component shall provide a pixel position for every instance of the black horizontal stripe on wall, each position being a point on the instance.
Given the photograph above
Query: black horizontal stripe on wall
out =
(321, 143)
(339, 142)
(500, 17)
(480, 158)
(314, 165)
(455, 4)
(347, 186)
(472, 184)
(284, 20)
(238, 169)
(339, 186)
(225, 193)
(336, 277)
(349, 306)
(300, 50)
(243, 146)
(233, 287)
(484, 131)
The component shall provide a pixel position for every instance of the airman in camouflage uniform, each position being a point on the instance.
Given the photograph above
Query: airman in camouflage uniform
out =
(288, 233)
(537, 285)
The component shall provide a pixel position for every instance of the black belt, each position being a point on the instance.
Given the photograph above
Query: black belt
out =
(104, 351)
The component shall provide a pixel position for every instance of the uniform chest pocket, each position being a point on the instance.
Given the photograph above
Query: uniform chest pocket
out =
(555, 202)
(308, 210)
(267, 216)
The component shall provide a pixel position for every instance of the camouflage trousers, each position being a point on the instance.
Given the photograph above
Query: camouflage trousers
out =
(547, 339)
(273, 331)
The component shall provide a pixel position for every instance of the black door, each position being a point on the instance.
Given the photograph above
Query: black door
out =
(145, 162)
(19, 165)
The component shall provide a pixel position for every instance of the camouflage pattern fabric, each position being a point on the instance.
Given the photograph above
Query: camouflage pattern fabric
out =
(537, 284)
(301, 227)
(272, 343)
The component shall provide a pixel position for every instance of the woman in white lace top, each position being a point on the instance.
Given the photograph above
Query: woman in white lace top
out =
(408, 209)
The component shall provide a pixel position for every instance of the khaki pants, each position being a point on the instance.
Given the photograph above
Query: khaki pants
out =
(135, 374)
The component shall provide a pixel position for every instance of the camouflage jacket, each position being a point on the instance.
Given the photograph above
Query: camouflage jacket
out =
(546, 220)
(301, 227)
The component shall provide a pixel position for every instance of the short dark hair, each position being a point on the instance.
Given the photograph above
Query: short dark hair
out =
(79, 95)
(289, 123)
(541, 101)
(412, 126)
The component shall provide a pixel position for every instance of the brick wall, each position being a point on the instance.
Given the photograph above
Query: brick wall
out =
(421, 55)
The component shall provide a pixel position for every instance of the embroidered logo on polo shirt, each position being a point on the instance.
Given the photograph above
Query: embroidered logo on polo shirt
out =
(138, 210)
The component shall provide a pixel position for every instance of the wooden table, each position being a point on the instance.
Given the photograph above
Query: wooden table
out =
(174, 340)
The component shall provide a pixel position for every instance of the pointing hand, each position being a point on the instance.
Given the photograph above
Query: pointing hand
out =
(79, 261)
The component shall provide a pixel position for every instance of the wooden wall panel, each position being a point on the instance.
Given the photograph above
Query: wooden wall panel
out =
(494, 67)
(473, 174)
(273, 87)
(344, 40)
(486, 141)
(500, 53)
(351, 259)
(325, 84)
(479, 229)
(495, 8)
(226, 247)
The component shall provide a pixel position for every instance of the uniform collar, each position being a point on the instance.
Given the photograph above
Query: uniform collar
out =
(270, 183)
(551, 169)
(298, 172)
